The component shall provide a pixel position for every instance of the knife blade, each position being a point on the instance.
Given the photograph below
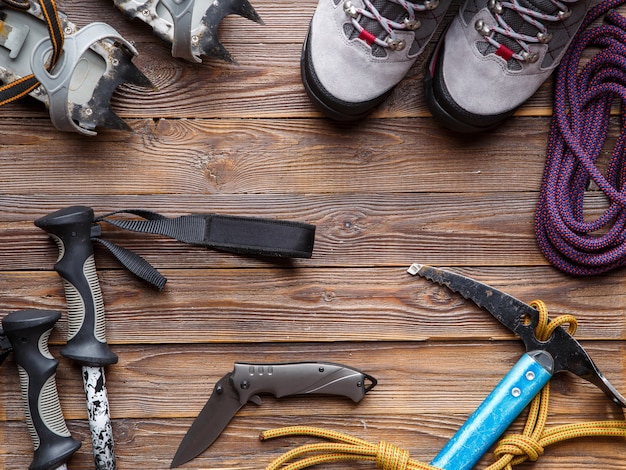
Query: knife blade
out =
(247, 381)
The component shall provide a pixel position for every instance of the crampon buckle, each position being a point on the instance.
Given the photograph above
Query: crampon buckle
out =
(74, 72)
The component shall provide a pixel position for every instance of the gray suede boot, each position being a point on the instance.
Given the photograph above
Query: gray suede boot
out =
(357, 51)
(495, 55)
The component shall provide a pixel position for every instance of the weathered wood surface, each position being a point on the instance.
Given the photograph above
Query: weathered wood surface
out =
(385, 192)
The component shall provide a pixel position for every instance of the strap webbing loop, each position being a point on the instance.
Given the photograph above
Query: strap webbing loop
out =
(134, 263)
(248, 235)
(245, 235)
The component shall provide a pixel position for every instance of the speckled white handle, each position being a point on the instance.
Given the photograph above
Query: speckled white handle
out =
(99, 418)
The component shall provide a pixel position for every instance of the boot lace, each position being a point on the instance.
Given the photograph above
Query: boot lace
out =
(520, 24)
(373, 23)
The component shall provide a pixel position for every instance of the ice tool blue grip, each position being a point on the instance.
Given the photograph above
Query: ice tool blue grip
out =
(494, 415)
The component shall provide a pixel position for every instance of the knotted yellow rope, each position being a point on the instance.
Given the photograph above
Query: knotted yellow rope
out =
(510, 451)
(343, 448)
(515, 449)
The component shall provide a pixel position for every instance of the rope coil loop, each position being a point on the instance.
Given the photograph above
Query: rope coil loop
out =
(584, 95)
(545, 326)
(391, 457)
(519, 445)
(342, 447)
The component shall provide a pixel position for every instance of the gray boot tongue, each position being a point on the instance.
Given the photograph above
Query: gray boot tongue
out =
(517, 24)
(387, 9)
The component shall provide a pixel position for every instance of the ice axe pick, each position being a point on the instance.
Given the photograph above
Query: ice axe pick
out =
(543, 359)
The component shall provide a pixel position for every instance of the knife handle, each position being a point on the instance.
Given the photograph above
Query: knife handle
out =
(71, 229)
(28, 332)
(494, 415)
(300, 378)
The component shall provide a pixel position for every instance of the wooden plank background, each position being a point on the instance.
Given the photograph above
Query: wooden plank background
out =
(385, 192)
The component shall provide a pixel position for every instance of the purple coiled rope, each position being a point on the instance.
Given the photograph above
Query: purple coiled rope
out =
(580, 124)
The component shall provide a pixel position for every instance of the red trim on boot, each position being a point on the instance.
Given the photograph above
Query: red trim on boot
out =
(366, 36)
(504, 52)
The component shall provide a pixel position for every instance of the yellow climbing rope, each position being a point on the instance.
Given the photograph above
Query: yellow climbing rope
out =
(343, 448)
(510, 451)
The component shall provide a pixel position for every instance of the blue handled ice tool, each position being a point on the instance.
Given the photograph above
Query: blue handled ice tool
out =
(542, 360)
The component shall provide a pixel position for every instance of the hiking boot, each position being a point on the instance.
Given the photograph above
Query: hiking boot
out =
(357, 51)
(495, 55)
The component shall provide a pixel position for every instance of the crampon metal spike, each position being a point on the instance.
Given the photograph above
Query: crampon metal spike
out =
(110, 120)
(244, 8)
(95, 60)
(125, 73)
(214, 15)
(190, 26)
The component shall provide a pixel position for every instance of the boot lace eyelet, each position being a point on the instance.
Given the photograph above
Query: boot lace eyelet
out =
(544, 38)
(530, 57)
(413, 24)
(564, 14)
(495, 7)
(396, 44)
(350, 9)
(482, 27)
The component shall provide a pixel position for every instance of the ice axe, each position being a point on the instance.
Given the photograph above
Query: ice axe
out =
(543, 359)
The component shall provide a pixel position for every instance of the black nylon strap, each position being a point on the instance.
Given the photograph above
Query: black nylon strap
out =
(134, 263)
(249, 235)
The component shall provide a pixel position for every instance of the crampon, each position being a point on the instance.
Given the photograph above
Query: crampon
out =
(190, 26)
(73, 71)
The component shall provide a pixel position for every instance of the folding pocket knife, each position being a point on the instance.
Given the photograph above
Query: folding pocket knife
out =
(247, 381)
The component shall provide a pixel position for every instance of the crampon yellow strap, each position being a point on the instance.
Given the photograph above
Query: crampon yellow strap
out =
(510, 451)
